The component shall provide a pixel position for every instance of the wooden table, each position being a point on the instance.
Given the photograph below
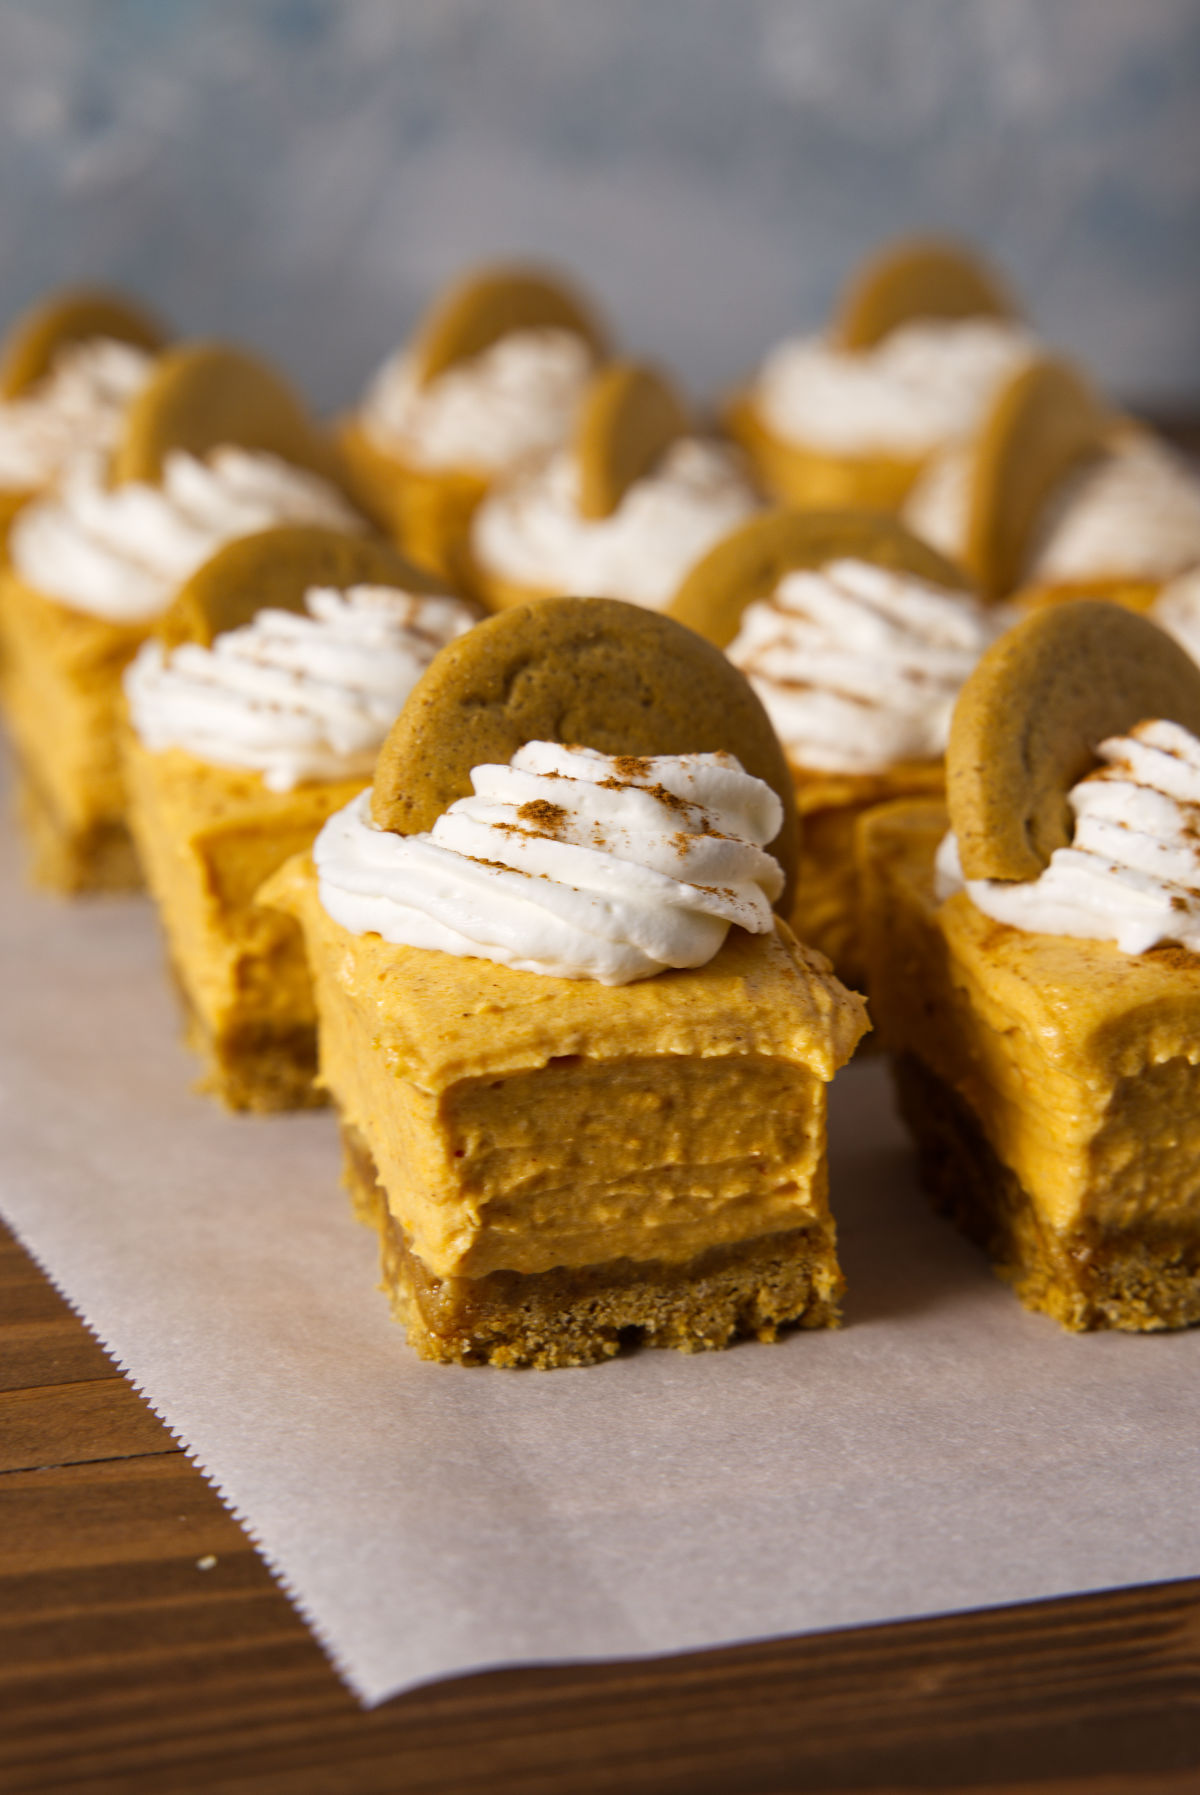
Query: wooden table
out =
(145, 1648)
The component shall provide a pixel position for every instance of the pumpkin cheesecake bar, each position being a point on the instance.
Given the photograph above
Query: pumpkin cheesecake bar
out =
(1057, 497)
(857, 637)
(69, 368)
(1036, 972)
(580, 1107)
(214, 447)
(492, 378)
(922, 337)
(256, 712)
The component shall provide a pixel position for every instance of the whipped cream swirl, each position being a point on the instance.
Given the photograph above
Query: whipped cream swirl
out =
(514, 400)
(927, 382)
(121, 552)
(1132, 872)
(568, 862)
(295, 697)
(1177, 610)
(858, 666)
(79, 404)
(530, 530)
(1133, 513)
(938, 506)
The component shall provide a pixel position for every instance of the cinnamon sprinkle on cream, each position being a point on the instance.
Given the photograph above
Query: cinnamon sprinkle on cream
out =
(541, 813)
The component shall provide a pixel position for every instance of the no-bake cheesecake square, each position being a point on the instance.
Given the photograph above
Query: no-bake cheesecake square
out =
(1052, 1085)
(255, 714)
(556, 1167)
(60, 685)
(208, 836)
(213, 448)
(580, 1061)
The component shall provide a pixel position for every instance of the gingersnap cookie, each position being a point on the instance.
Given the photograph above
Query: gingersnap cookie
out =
(1031, 715)
(629, 417)
(491, 304)
(749, 563)
(588, 671)
(203, 395)
(1047, 421)
(273, 570)
(917, 278)
(76, 316)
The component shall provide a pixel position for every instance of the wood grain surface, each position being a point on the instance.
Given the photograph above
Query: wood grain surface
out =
(144, 1649)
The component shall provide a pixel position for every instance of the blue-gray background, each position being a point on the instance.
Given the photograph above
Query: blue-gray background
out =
(301, 174)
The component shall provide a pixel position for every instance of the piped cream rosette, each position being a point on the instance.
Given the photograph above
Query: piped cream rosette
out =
(624, 511)
(857, 639)
(1057, 498)
(611, 860)
(570, 863)
(215, 446)
(69, 369)
(295, 696)
(1074, 781)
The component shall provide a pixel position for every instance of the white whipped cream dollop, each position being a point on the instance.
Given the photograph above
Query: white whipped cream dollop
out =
(1132, 872)
(1177, 610)
(291, 695)
(516, 399)
(530, 530)
(1134, 513)
(927, 382)
(568, 862)
(859, 666)
(79, 404)
(121, 552)
(938, 506)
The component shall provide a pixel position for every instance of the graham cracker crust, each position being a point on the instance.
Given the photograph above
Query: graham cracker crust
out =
(70, 861)
(254, 1066)
(581, 1315)
(1138, 1280)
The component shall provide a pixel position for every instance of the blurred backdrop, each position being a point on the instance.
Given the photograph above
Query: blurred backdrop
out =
(302, 174)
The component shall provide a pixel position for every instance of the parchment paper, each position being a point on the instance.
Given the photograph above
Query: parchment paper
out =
(945, 1450)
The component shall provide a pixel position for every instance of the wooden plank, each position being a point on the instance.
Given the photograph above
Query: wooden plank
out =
(70, 1423)
(49, 1352)
(148, 1663)
(144, 1648)
(43, 1340)
(757, 1719)
(139, 1511)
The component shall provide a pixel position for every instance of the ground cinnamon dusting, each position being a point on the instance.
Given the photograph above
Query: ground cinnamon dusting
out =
(668, 800)
(497, 866)
(543, 814)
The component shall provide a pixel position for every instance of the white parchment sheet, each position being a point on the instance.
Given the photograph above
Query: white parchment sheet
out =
(945, 1450)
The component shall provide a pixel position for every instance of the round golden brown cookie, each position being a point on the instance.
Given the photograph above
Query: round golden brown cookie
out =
(1031, 715)
(275, 569)
(588, 671)
(629, 417)
(76, 316)
(917, 278)
(203, 395)
(492, 303)
(750, 562)
(1046, 421)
